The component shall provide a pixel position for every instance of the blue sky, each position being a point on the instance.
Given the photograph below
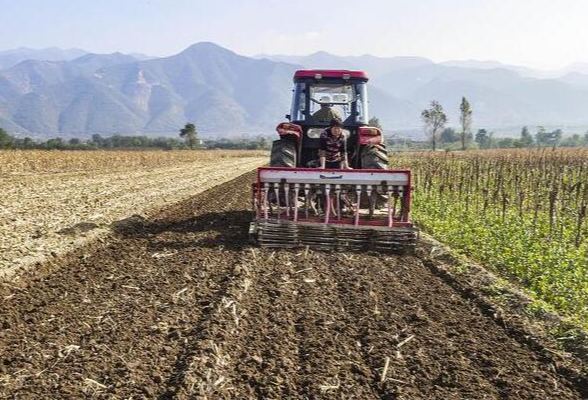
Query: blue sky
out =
(536, 33)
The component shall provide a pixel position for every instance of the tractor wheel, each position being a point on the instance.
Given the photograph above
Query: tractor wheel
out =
(283, 154)
(374, 156)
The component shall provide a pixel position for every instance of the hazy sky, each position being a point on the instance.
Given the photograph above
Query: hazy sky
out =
(536, 33)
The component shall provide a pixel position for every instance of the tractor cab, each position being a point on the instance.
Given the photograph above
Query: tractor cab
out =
(318, 97)
(318, 94)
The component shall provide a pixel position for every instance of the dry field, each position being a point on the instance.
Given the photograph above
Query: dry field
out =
(52, 202)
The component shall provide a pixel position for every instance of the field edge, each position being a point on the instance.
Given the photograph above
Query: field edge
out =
(530, 321)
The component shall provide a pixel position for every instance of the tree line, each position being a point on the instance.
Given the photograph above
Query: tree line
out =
(435, 120)
(188, 140)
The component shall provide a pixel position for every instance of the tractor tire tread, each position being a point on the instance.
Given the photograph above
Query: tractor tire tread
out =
(374, 157)
(283, 154)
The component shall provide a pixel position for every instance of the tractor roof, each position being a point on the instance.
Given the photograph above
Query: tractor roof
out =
(329, 73)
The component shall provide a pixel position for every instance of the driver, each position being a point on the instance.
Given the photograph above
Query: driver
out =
(326, 113)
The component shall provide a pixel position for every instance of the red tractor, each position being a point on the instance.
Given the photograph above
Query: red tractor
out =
(297, 204)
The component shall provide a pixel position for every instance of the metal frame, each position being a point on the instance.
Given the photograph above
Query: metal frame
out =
(394, 184)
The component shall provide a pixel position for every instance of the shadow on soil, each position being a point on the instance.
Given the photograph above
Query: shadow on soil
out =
(228, 229)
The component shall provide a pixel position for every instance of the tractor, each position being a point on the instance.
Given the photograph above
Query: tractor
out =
(297, 204)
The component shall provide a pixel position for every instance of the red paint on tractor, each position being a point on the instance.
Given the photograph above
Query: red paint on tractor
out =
(370, 135)
(288, 128)
(330, 73)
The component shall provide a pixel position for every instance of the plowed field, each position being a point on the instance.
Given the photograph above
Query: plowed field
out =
(180, 306)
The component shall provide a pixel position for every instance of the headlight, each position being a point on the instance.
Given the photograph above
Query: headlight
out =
(314, 133)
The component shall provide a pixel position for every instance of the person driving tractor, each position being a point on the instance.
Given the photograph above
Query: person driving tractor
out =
(326, 113)
(333, 147)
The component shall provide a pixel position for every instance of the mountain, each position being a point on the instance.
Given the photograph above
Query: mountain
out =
(500, 97)
(31, 75)
(218, 90)
(476, 64)
(226, 94)
(577, 67)
(576, 79)
(215, 88)
(10, 58)
(318, 60)
(141, 56)
(374, 65)
(501, 94)
(91, 62)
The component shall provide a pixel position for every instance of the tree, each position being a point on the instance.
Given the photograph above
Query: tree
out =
(189, 134)
(6, 140)
(505, 143)
(541, 135)
(548, 138)
(263, 144)
(55, 144)
(375, 122)
(465, 119)
(28, 143)
(526, 137)
(484, 139)
(449, 135)
(555, 137)
(98, 141)
(435, 120)
(573, 141)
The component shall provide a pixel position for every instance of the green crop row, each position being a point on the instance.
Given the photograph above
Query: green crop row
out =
(519, 212)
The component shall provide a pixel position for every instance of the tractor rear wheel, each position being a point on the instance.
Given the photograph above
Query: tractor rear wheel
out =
(374, 156)
(283, 154)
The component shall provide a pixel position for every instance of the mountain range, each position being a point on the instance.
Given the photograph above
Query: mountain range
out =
(51, 92)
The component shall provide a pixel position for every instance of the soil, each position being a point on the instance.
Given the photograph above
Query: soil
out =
(180, 306)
